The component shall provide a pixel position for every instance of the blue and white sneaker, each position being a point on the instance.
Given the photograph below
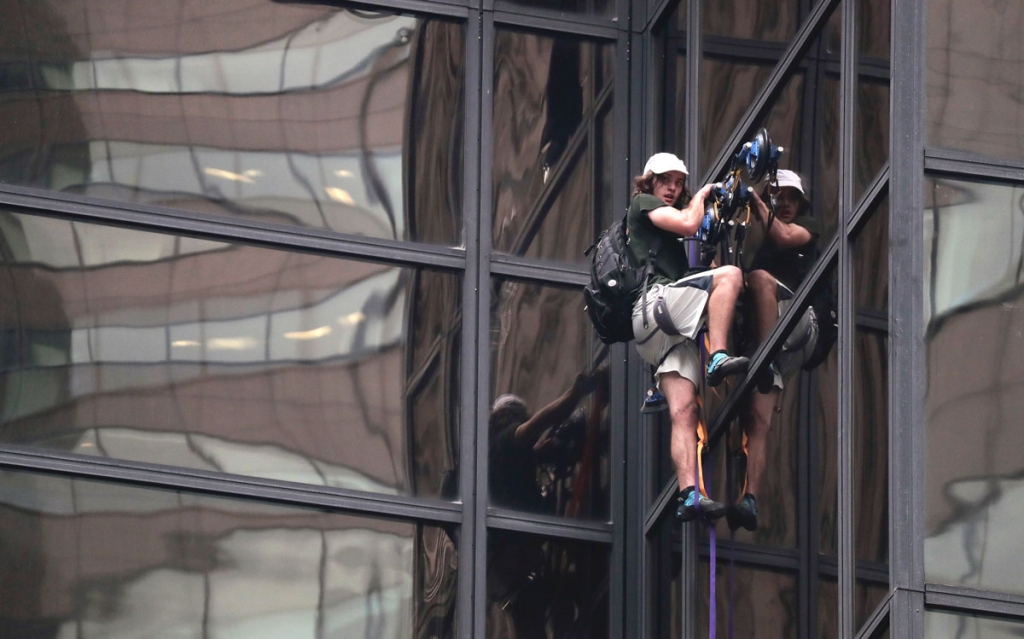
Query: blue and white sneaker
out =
(723, 365)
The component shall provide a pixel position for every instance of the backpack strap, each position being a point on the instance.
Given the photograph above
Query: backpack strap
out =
(652, 252)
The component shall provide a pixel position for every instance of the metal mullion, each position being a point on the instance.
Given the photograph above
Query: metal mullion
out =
(549, 525)
(845, 523)
(471, 571)
(744, 49)
(689, 538)
(816, 20)
(972, 601)
(481, 377)
(907, 371)
(224, 229)
(625, 461)
(638, 105)
(555, 26)
(159, 476)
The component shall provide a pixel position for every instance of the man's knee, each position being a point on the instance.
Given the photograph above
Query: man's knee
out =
(728, 277)
(684, 411)
(761, 282)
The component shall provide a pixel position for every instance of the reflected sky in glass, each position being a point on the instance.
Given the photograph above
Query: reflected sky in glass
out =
(92, 559)
(228, 358)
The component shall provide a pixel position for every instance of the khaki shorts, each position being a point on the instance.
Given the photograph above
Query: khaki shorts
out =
(675, 314)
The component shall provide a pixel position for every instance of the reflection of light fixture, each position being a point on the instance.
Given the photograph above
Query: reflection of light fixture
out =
(182, 343)
(86, 445)
(339, 195)
(343, 173)
(315, 333)
(230, 343)
(352, 318)
(244, 176)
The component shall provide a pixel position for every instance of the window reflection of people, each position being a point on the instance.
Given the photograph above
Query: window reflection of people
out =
(667, 317)
(780, 264)
(518, 586)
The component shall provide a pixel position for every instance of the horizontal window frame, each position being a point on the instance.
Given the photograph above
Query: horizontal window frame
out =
(158, 476)
(39, 202)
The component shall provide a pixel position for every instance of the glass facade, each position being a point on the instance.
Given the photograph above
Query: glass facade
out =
(292, 339)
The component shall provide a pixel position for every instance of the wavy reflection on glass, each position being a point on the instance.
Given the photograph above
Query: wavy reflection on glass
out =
(301, 115)
(228, 358)
(974, 314)
(88, 559)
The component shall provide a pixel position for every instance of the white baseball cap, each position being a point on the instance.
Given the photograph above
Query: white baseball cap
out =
(665, 162)
(790, 178)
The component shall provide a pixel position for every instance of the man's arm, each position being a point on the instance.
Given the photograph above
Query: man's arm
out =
(684, 222)
(785, 235)
(559, 410)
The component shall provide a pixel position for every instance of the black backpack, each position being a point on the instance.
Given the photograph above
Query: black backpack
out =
(615, 281)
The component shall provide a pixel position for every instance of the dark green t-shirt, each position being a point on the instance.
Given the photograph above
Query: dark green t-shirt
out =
(789, 265)
(671, 262)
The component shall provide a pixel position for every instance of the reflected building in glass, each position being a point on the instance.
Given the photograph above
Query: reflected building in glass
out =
(292, 339)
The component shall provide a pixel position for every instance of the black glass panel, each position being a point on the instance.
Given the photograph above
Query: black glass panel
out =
(867, 597)
(748, 602)
(548, 430)
(826, 466)
(870, 390)
(947, 625)
(871, 135)
(974, 410)
(225, 357)
(90, 559)
(550, 95)
(309, 115)
(670, 39)
(972, 71)
(751, 20)
(542, 587)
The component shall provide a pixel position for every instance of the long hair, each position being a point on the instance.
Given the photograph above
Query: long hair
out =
(645, 184)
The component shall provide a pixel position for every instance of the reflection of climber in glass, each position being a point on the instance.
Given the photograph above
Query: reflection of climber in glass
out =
(523, 447)
(553, 437)
(780, 264)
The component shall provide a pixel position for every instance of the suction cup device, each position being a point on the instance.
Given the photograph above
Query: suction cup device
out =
(760, 157)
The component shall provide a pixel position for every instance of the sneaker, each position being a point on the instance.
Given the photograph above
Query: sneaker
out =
(687, 510)
(654, 402)
(766, 379)
(722, 365)
(743, 514)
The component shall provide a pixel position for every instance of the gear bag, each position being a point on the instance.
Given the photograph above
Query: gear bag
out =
(615, 282)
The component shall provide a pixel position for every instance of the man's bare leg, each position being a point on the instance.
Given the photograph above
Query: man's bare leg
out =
(726, 286)
(685, 414)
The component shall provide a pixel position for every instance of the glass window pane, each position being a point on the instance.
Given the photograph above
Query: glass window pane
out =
(871, 137)
(753, 20)
(91, 559)
(294, 114)
(549, 94)
(761, 603)
(974, 410)
(670, 38)
(870, 390)
(548, 430)
(544, 587)
(972, 74)
(947, 625)
(232, 358)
